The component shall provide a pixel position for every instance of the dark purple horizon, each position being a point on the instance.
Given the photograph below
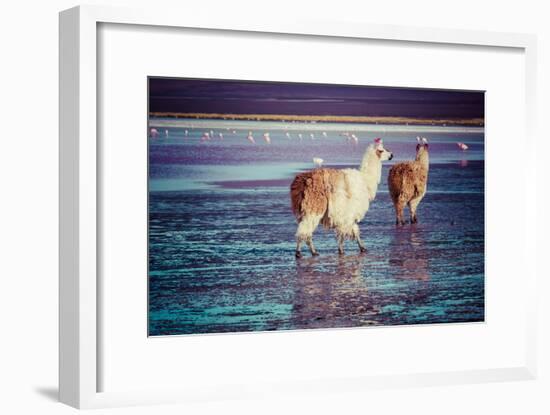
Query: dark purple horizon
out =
(253, 97)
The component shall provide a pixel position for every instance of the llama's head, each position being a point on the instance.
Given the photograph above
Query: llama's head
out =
(421, 147)
(382, 153)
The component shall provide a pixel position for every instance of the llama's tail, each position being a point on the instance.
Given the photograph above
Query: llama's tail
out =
(297, 193)
(309, 194)
(396, 181)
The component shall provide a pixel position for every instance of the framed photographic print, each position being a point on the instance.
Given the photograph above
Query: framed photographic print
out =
(229, 226)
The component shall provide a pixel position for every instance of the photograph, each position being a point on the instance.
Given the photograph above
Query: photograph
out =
(292, 206)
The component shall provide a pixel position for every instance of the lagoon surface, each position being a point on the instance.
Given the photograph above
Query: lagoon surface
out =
(221, 232)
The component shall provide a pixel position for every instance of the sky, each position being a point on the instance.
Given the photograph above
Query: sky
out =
(251, 97)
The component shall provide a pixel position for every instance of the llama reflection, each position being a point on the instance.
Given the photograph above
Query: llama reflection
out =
(409, 255)
(333, 289)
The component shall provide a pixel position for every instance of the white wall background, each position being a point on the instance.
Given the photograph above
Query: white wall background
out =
(28, 208)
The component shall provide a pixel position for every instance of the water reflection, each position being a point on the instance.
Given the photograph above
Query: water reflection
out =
(408, 254)
(331, 288)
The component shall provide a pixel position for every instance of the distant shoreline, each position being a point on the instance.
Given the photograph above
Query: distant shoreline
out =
(473, 122)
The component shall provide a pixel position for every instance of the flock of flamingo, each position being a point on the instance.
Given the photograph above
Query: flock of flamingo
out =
(211, 135)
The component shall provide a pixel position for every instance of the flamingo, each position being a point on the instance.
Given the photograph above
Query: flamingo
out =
(318, 162)
(154, 133)
(186, 133)
(205, 137)
(221, 136)
(325, 134)
(250, 137)
(267, 138)
(300, 136)
(166, 133)
(354, 139)
(462, 146)
(312, 136)
(288, 135)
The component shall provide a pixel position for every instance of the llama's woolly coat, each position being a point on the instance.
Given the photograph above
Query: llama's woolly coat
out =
(407, 180)
(339, 198)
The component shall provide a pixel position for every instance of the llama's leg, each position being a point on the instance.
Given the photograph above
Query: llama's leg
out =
(298, 247)
(309, 242)
(304, 233)
(413, 204)
(399, 204)
(340, 237)
(357, 237)
(396, 212)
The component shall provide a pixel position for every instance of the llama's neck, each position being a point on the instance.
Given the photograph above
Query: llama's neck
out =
(371, 168)
(424, 160)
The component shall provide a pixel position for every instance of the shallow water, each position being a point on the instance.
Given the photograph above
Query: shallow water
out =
(221, 234)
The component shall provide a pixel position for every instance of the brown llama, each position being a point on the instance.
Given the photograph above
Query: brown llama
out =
(408, 182)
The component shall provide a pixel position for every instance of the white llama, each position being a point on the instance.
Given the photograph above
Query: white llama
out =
(338, 199)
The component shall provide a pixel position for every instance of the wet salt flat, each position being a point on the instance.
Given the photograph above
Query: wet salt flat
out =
(221, 233)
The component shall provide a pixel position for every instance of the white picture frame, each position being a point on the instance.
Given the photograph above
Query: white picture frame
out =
(78, 348)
